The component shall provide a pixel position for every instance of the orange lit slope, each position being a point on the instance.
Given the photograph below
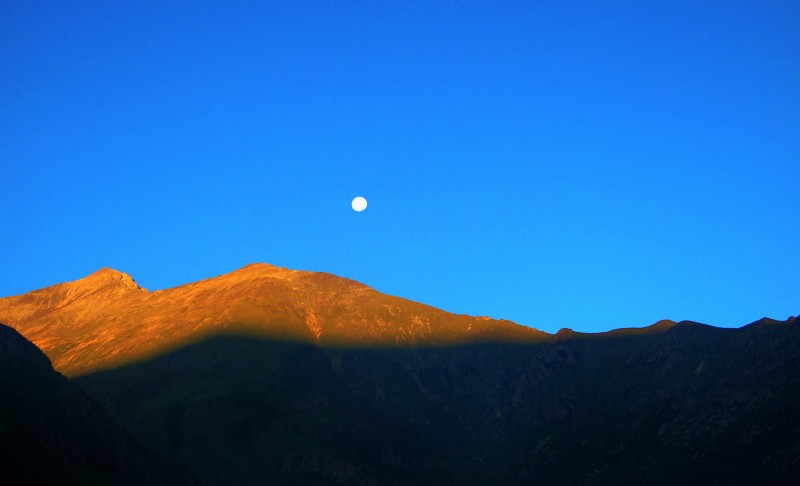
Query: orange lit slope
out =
(106, 319)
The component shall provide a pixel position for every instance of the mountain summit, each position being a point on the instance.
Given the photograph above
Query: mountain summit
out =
(106, 319)
(108, 276)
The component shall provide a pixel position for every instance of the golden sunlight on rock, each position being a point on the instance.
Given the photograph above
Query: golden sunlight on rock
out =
(106, 319)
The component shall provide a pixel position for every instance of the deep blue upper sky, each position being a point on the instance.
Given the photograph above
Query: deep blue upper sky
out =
(561, 164)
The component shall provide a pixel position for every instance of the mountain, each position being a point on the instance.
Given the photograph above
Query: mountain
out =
(693, 405)
(53, 433)
(272, 375)
(106, 319)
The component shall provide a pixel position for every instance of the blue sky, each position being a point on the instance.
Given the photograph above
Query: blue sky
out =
(589, 165)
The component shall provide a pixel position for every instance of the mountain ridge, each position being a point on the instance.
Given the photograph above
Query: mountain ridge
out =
(694, 404)
(106, 319)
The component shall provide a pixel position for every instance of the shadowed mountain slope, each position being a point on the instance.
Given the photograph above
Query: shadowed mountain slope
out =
(691, 405)
(52, 433)
(106, 319)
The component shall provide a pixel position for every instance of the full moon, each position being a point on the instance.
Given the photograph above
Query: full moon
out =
(359, 204)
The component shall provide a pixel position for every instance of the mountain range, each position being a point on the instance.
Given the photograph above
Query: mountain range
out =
(273, 376)
(107, 319)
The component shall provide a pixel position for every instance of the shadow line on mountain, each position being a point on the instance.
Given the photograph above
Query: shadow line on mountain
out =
(290, 337)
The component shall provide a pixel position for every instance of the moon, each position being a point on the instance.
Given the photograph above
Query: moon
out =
(359, 204)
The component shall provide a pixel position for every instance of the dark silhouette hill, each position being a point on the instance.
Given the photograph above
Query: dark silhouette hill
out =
(273, 376)
(51, 432)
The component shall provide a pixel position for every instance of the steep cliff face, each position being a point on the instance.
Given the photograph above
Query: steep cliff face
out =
(52, 433)
(106, 319)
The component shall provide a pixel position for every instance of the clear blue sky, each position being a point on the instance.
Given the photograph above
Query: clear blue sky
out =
(561, 164)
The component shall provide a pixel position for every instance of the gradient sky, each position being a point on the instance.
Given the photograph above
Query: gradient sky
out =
(590, 165)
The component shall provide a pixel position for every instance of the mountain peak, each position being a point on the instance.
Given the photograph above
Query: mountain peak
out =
(257, 271)
(108, 275)
(260, 268)
(662, 325)
(255, 266)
